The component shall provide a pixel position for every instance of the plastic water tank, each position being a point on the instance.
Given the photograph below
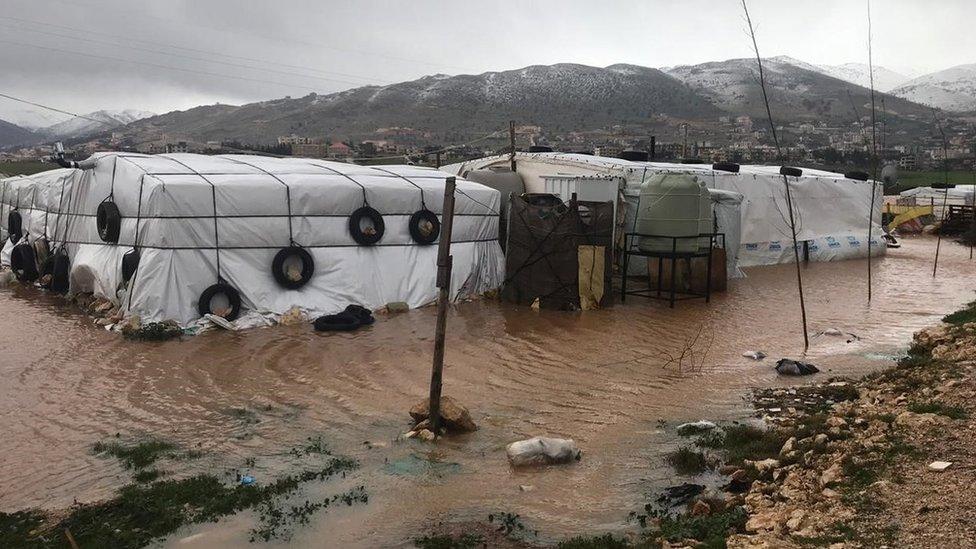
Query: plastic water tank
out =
(670, 205)
(706, 222)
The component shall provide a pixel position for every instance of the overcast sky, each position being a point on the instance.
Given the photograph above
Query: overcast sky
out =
(85, 55)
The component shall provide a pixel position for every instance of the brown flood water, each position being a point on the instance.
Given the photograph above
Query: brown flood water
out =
(598, 377)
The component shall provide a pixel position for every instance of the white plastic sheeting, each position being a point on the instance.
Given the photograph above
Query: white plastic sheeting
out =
(185, 212)
(831, 211)
(923, 196)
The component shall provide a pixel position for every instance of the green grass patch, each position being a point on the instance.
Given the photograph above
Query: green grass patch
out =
(962, 316)
(711, 530)
(741, 442)
(147, 475)
(25, 167)
(687, 461)
(445, 541)
(932, 407)
(142, 513)
(138, 455)
(606, 541)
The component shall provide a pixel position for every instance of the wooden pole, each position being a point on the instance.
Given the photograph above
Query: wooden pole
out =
(796, 259)
(874, 149)
(945, 199)
(511, 143)
(444, 263)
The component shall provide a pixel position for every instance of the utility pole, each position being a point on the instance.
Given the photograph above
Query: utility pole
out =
(511, 143)
(444, 263)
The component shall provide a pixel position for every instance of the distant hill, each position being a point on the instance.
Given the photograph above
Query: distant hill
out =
(12, 134)
(561, 98)
(92, 123)
(885, 80)
(953, 89)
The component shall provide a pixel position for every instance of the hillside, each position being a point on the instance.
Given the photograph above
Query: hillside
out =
(93, 122)
(11, 134)
(953, 89)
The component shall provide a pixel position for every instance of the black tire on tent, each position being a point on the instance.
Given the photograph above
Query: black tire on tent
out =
(60, 273)
(857, 176)
(220, 288)
(287, 280)
(726, 167)
(23, 263)
(341, 322)
(362, 237)
(109, 222)
(424, 227)
(15, 226)
(792, 172)
(130, 262)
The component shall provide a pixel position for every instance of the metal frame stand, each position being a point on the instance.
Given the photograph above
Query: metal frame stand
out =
(674, 255)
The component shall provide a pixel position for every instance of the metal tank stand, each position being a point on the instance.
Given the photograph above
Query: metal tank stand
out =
(630, 249)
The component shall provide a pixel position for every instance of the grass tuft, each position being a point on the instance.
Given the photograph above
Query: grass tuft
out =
(741, 442)
(136, 456)
(688, 462)
(933, 407)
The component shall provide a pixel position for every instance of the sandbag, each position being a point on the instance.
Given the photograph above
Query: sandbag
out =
(542, 451)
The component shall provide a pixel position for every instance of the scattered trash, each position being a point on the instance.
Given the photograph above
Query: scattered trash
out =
(220, 321)
(695, 427)
(397, 307)
(352, 318)
(364, 315)
(790, 367)
(542, 451)
(292, 316)
(247, 480)
(454, 417)
(153, 331)
(755, 355)
(418, 464)
(833, 332)
(526, 487)
(774, 410)
(680, 494)
(939, 465)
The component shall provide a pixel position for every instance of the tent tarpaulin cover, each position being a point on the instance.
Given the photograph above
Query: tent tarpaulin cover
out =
(831, 210)
(190, 215)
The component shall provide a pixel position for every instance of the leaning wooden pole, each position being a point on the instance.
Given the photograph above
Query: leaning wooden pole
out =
(786, 182)
(945, 197)
(874, 150)
(444, 263)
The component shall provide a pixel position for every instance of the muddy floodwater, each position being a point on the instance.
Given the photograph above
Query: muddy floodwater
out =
(604, 378)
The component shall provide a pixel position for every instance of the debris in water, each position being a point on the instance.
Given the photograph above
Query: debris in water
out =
(220, 321)
(421, 465)
(939, 465)
(755, 355)
(542, 451)
(247, 480)
(454, 417)
(695, 427)
(790, 367)
(680, 494)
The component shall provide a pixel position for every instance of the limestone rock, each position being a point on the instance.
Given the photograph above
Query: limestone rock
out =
(832, 475)
(454, 417)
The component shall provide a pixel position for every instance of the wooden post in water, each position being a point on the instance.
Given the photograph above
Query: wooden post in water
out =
(511, 143)
(444, 263)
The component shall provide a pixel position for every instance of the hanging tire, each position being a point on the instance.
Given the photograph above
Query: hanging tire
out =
(130, 262)
(108, 219)
(366, 237)
(424, 227)
(288, 278)
(726, 167)
(60, 273)
(23, 263)
(857, 176)
(218, 289)
(792, 172)
(15, 226)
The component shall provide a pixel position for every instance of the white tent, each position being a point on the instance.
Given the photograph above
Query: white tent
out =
(831, 211)
(197, 220)
(925, 196)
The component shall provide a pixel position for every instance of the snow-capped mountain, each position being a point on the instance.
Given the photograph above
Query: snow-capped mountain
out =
(885, 79)
(953, 89)
(32, 118)
(94, 122)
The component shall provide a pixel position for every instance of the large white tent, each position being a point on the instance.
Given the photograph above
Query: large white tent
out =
(831, 210)
(198, 220)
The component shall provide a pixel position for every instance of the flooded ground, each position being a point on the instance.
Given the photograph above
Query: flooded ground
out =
(603, 378)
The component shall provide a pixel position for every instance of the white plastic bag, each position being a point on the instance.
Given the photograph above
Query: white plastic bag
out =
(542, 451)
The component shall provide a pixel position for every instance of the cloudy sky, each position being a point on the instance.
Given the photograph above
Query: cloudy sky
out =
(85, 55)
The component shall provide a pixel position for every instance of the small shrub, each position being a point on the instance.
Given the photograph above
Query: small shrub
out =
(932, 407)
(606, 541)
(962, 316)
(443, 541)
(711, 530)
(136, 456)
(688, 462)
(742, 442)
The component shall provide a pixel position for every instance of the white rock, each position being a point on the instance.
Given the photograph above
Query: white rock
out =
(939, 465)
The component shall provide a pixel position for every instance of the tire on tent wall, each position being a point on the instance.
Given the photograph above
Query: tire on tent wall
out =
(726, 167)
(130, 262)
(60, 272)
(424, 227)
(282, 277)
(220, 288)
(790, 171)
(23, 263)
(857, 176)
(355, 226)
(15, 226)
(108, 219)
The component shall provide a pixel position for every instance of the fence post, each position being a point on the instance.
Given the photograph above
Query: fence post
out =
(444, 263)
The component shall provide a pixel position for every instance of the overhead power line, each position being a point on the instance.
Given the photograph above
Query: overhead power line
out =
(160, 66)
(127, 42)
(51, 108)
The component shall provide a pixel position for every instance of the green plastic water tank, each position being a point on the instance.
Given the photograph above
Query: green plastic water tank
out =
(706, 222)
(670, 205)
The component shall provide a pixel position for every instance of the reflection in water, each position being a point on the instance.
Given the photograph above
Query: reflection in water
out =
(598, 377)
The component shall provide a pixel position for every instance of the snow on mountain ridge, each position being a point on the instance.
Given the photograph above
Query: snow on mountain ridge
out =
(953, 89)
